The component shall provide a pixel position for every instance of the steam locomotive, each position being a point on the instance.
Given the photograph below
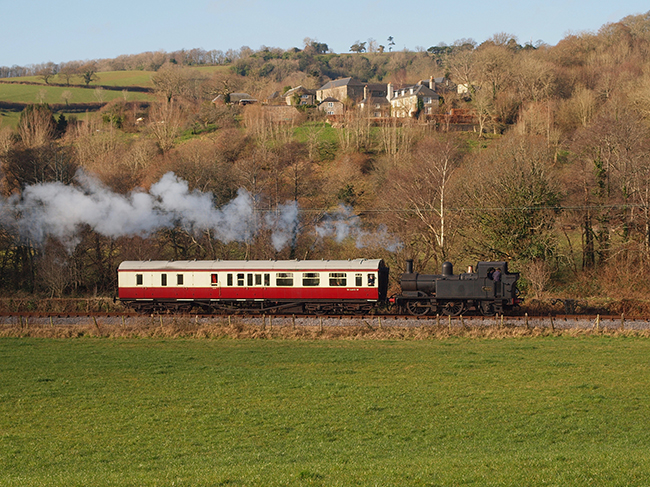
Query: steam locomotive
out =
(309, 286)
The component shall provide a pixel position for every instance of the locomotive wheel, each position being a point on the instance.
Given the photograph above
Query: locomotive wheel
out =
(418, 308)
(487, 308)
(453, 308)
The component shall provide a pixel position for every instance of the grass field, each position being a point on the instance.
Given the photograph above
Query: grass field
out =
(53, 94)
(552, 411)
(107, 78)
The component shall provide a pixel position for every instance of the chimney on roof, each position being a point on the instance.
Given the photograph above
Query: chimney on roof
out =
(365, 92)
(389, 89)
(432, 84)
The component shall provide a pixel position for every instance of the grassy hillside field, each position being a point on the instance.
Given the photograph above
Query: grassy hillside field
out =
(551, 411)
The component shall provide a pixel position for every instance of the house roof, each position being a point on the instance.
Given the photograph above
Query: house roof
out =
(301, 90)
(330, 99)
(376, 100)
(236, 97)
(419, 90)
(341, 82)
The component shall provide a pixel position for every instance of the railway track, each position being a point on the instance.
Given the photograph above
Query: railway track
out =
(552, 321)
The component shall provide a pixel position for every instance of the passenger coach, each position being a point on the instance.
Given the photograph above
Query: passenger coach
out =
(296, 286)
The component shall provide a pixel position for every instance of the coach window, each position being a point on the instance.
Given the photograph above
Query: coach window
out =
(240, 279)
(179, 279)
(338, 279)
(214, 279)
(267, 279)
(163, 279)
(258, 279)
(371, 279)
(284, 279)
(229, 278)
(310, 279)
(138, 279)
(358, 280)
(249, 281)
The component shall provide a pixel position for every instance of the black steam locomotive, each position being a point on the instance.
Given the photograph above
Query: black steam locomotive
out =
(490, 289)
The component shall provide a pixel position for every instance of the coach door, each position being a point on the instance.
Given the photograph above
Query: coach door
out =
(215, 286)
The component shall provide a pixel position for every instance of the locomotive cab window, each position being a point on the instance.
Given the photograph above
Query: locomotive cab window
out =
(284, 279)
(214, 279)
(310, 279)
(138, 279)
(179, 279)
(371, 279)
(163, 279)
(338, 279)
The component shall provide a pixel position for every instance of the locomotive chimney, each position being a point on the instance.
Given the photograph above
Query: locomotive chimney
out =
(409, 266)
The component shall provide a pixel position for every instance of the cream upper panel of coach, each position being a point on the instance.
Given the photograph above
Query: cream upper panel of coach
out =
(246, 265)
(236, 273)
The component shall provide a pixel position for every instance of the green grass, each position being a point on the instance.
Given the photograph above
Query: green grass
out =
(551, 411)
(52, 94)
(107, 78)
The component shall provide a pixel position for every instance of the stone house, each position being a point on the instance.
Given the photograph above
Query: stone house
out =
(341, 89)
(304, 95)
(375, 102)
(412, 100)
(331, 106)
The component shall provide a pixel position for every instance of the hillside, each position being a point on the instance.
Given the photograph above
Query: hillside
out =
(549, 172)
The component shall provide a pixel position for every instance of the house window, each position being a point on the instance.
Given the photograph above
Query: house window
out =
(310, 278)
(284, 279)
(427, 99)
(138, 279)
(338, 279)
(330, 104)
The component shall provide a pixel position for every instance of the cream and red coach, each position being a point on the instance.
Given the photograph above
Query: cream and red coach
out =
(291, 285)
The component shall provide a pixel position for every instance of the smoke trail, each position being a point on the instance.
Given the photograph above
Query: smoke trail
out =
(59, 210)
(344, 224)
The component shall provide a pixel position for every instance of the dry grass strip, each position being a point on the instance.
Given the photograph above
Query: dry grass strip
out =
(186, 328)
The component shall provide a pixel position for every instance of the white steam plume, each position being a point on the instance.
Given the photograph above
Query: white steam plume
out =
(59, 210)
(344, 223)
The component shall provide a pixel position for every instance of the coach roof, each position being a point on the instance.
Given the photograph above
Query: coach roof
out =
(244, 265)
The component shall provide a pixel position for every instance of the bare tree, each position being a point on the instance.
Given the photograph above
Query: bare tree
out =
(422, 187)
(164, 124)
(36, 126)
(66, 96)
